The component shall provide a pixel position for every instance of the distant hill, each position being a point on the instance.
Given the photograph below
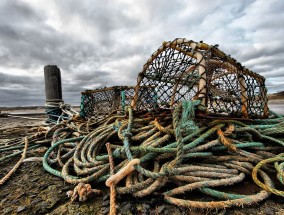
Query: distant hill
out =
(278, 95)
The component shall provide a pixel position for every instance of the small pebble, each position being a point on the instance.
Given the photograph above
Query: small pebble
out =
(21, 208)
(223, 212)
(43, 205)
(126, 207)
(160, 208)
(105, 197)
(269, 211)
(35, 201)
(14, 201)
(34, 179)
(7, 210)
(105, 203)
(106, 210)
(3, 201)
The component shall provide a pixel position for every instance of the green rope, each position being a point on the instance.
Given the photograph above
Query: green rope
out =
(123, 101)
(46, 166)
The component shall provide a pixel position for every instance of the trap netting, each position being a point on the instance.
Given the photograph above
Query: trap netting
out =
(187, 70)
(102, 102)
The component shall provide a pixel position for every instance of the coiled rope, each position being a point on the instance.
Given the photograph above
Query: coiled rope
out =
(165, 147)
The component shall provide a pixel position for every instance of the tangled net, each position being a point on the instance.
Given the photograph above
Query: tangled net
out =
(198, 122)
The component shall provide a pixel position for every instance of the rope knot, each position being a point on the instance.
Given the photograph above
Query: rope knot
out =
(82, 192)
(117, 152)
(126, 134)
(185, 124)
(226, 142)
(169, 169)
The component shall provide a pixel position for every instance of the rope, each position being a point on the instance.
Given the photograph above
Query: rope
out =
(233, 200)
(255, 170)
(151, 150)
(17, 165)
(112, 186)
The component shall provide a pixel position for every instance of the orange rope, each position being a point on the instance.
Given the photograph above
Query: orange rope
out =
(112, 187)
(18, 164)
(226, 142)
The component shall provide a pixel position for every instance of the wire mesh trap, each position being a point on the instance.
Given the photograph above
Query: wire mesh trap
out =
(102, 102)
(187, 70)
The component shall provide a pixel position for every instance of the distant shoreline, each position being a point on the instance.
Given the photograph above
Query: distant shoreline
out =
(271, 101)
(276, 101)
(21, 108)
(26, 108)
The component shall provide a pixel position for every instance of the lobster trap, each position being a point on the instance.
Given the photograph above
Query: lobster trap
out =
(102, 102)
(187, 70)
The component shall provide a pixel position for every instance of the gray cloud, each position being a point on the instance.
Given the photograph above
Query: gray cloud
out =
(105, 43)
(20, 90)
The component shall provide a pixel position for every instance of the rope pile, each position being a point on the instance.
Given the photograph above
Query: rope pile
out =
(178, 151)
(174, 150)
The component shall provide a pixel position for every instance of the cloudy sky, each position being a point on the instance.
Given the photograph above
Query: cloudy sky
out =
(105, 43)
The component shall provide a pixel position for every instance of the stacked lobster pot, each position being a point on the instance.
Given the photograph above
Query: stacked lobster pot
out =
(104, 101)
